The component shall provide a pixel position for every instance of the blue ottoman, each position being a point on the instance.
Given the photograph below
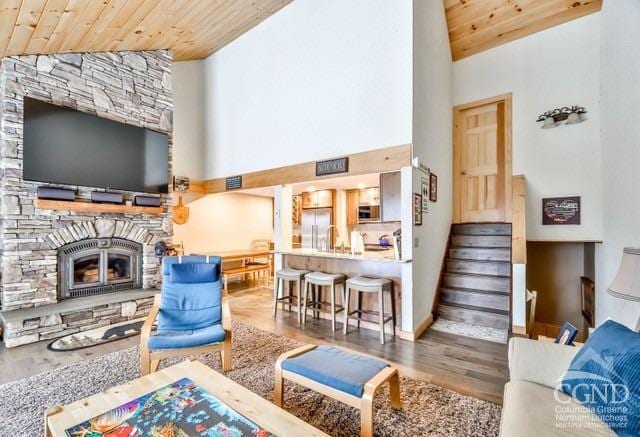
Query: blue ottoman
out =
(342, 375)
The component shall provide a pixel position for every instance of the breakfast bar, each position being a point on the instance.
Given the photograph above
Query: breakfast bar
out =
(369, 264)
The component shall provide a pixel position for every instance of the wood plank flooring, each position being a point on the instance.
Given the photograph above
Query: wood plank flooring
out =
(473, 367)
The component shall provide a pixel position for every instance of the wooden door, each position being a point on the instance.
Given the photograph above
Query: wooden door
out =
(482, 161)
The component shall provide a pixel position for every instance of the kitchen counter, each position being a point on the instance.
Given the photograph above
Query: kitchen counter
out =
(379, 256)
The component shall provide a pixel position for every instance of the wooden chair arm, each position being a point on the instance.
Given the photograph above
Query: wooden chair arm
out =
(375, 382)
(145, 331)
(293, 353)
(226, 314)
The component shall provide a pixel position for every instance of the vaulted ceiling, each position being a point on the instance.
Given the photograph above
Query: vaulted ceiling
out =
(478, 25)
(193, 29)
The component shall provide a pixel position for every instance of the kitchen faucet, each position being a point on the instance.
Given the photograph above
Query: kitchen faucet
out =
(328, 238)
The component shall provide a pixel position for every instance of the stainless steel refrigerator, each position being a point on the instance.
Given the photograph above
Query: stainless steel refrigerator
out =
(314, 226)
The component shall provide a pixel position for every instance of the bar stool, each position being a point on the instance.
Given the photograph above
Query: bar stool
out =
(290, 276)
(361, 285)
(319, 280)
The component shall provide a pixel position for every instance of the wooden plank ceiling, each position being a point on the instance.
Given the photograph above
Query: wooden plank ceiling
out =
(478, 25)
(193, 29)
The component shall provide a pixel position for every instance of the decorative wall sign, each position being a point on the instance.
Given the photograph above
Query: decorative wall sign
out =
(417, 209)
(332, 166)
(233, 183)
(425, 194)
(181, 184)
(561, 211)
(433, 187)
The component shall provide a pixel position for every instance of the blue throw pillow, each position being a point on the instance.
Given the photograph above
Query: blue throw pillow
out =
(605, 377)
(192, 273)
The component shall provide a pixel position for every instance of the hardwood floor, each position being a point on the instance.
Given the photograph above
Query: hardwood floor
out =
(473, 367)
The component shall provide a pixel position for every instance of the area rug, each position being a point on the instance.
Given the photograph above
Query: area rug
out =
(428, 410)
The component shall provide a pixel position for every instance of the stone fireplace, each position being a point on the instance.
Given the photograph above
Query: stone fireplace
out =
(97, 266)
(66, 271)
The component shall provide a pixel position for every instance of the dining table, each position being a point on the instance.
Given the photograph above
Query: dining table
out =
(245, 257)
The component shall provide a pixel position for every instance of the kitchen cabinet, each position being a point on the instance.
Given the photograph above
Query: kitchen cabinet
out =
(369, 196)
(352, 207)
(317, 199)
(296, 209)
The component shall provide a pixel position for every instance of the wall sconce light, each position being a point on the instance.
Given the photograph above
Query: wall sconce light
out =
(565, 115)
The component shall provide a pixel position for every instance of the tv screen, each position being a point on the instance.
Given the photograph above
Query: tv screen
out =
(65, 146)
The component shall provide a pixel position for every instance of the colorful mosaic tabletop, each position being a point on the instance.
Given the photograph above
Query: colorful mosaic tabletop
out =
(181, 409)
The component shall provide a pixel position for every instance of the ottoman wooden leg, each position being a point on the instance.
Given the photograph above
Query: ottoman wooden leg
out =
(278, 390)
(366, 417)
(394, 391)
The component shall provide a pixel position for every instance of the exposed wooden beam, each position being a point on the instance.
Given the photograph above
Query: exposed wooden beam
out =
(373, 161)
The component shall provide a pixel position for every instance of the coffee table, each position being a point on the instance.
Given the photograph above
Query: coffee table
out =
(263, 413)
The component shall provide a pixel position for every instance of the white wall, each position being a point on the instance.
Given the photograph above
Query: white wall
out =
(553, 68)
(226, 221)
(620, 152)
(317, 79)
(432, 145)
(188, 119)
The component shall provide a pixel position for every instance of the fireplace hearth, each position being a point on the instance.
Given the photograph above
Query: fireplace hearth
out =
(97, 266)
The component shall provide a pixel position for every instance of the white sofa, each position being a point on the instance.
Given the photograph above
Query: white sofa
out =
(531, 405)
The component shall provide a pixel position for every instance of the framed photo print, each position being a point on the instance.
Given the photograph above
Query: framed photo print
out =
(567, 334)
(433, 187)
(561, 210)
(417, 209)
(425, 195)
(180, 184)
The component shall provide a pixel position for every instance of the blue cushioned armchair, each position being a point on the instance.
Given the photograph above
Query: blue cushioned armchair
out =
(192, 314)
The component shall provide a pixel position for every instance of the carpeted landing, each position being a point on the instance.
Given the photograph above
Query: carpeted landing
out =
(428, 410)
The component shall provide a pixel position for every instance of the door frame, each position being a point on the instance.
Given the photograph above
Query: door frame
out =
(507, 99)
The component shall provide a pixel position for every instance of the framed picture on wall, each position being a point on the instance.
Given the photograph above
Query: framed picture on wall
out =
(425, 195)
(417, 209)
(181, 184)
(561, 210)
(433, 187)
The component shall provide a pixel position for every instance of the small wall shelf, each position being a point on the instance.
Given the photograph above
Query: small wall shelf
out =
(80, 206)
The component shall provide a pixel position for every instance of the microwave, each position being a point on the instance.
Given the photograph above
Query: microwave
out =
(369, 213)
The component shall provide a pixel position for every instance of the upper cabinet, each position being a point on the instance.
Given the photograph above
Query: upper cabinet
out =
(317, 199)
(352, 207)
(369, 196)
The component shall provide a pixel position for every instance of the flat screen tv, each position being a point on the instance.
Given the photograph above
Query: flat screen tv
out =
(65, 146)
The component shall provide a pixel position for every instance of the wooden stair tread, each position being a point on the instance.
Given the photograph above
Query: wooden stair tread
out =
(481, 241)
(476, 298)
(478, 309)
(475, 281)
(468, 253)
(482, 267)
(503, 229)
(475, 275)
(475, 290)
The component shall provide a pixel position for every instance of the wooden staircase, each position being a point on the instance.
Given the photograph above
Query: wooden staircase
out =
(475, 287)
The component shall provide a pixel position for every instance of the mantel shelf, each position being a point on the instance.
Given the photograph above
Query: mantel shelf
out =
(65, 205)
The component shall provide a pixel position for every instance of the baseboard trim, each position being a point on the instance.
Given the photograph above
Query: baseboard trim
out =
(413, 336)
(519, 330)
